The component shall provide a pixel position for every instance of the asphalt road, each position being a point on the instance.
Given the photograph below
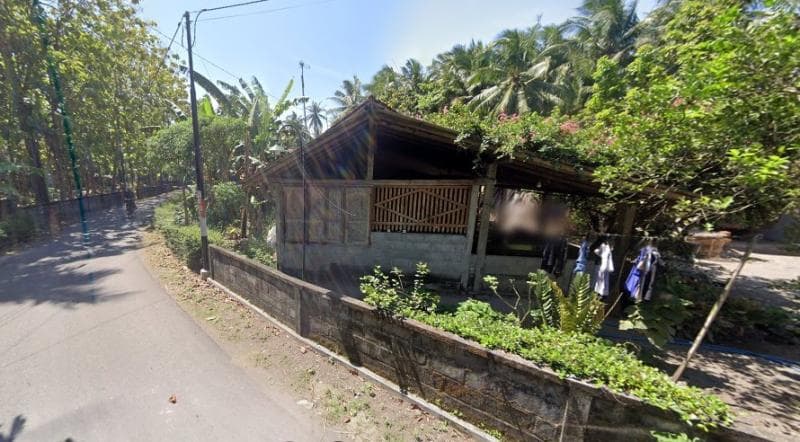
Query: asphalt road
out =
(92, 348)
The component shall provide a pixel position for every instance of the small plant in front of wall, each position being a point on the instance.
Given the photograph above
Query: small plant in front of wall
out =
(392, 293)
(580, 310)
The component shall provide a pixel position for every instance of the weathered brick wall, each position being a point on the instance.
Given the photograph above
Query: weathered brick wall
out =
(504, 391)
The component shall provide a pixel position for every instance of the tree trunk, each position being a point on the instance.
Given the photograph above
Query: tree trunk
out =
(55, 145)
(38, 184)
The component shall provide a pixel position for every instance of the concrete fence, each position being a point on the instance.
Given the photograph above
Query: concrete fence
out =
(501, 390)
(47, 217)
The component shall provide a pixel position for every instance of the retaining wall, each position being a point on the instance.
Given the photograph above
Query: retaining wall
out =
(501, 390)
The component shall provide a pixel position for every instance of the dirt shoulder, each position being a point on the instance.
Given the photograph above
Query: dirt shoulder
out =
(354, 408)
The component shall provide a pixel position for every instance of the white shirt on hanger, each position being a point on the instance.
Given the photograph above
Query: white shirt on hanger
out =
(602, 283)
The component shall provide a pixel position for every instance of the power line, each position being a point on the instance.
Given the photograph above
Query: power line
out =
(267, 11)
(235, 5)
(166, 54)
(171, 40)
(229, 73)
(234, 76)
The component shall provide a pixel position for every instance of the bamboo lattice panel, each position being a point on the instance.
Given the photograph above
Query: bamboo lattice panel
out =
(421, 209)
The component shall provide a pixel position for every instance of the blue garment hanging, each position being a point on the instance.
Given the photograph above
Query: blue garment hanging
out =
(643, 272)
(583, 257)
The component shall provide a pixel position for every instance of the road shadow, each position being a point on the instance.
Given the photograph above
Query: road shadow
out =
(17, 425)
(59, 270)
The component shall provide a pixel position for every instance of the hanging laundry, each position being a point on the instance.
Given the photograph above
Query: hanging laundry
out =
(554, 256)
(602, 282)
(639, 283)
(583, 257)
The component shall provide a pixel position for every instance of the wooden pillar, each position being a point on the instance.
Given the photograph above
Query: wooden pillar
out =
(483, 233)
(372, 141)
(622, 245)
(280, 250)
(472, 214)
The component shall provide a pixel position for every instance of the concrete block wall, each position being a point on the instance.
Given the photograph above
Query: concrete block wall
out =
(445, 254)
(504, 391)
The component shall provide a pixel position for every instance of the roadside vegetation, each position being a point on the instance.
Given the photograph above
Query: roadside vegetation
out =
(16, 229)
(557, 335)
(684, 296)
(176, 219)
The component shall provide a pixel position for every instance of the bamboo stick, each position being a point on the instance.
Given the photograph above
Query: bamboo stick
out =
(715, 310)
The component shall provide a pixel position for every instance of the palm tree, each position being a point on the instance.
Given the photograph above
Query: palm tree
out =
(316, 118)
(412, 75)
(517, 78)
(451, 71)
(606, 27)
(293, 132)
(571, 68)
(350, 95)
(382, 82)
(454, 67)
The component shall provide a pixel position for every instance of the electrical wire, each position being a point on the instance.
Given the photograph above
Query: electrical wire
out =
(197, 15)
(234, 5)
(229, 73)
(166, 53)
(171, 40)
(268, 11)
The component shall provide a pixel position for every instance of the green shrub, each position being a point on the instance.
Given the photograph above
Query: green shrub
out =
(578, 311)
(581, 355)
(258, 250)
(393, 294)
(225, 204)
(17, 228)
(658, 319)
(685, 296)
(661, 436)
(184, 241)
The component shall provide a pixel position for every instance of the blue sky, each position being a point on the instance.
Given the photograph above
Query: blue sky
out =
(339, 38)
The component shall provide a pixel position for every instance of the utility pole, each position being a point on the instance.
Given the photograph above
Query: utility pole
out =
(303, 167)
(198, 155)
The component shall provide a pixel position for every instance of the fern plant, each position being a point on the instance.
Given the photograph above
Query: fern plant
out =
(578, 311)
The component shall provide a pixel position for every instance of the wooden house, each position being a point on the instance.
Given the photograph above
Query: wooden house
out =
(383, 188)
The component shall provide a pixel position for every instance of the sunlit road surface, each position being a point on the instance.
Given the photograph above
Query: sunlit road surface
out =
(93, 349)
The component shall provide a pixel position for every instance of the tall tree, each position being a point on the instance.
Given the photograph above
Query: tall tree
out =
(713, 109)
(516, 79)
(451, 71)
(115, 82)
(316, 118)
(349, 95)
(606, 28)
